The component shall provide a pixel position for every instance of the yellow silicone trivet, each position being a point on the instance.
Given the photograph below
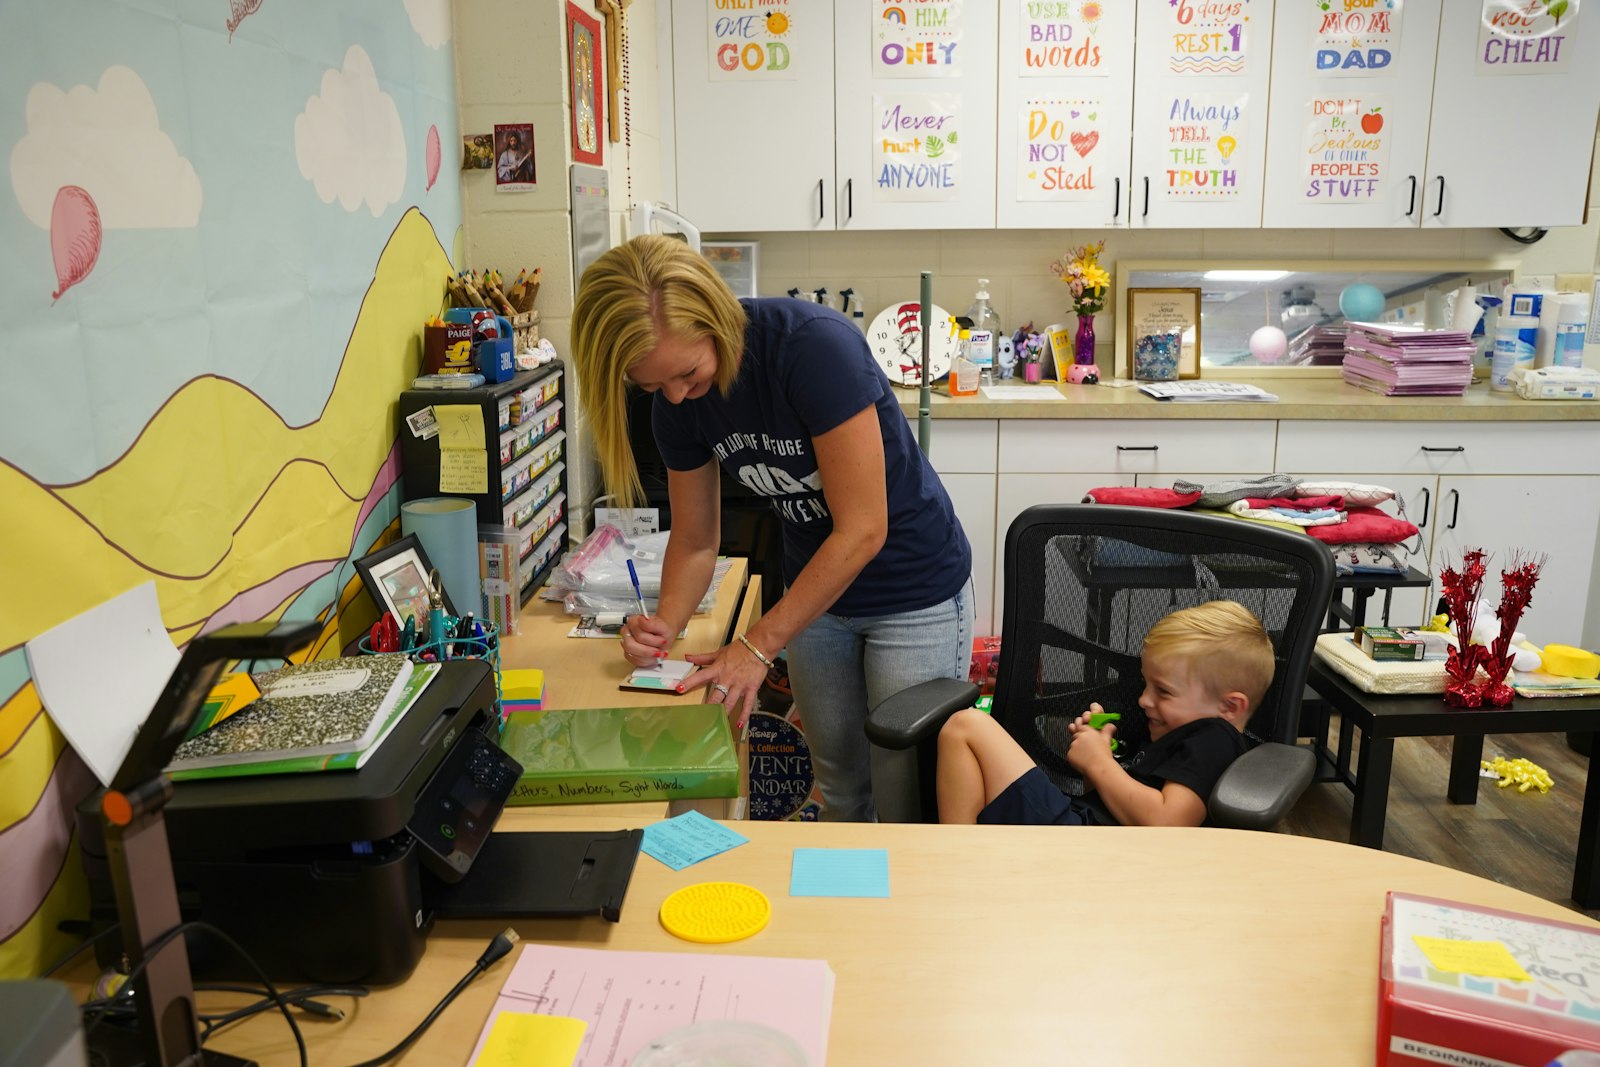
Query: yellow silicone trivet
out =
(714, 912)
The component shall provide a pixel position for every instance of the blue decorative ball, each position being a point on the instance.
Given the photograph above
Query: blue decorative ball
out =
(1361, 302)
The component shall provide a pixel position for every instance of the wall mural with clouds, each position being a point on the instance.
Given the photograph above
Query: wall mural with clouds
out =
(222, 223)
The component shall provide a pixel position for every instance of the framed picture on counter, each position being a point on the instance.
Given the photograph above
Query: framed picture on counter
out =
(397, 577)
(1163, 334)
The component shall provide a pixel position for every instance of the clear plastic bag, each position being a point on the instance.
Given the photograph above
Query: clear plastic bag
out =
(594, 578)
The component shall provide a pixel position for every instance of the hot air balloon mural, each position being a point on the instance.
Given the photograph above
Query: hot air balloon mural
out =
(1226, 144)
(74, 237)
(430, 156)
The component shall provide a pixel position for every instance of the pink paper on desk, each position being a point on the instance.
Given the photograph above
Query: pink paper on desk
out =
(630, 998)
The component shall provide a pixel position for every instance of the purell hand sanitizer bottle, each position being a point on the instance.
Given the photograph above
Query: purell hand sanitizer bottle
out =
(985, 332)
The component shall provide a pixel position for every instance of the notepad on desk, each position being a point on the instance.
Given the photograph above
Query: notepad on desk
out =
(661, 677)
(1202, 391)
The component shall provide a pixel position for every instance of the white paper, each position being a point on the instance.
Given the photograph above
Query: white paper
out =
(1022, 392)
(99, 675)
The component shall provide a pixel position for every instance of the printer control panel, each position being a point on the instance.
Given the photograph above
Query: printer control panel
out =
(460, 804)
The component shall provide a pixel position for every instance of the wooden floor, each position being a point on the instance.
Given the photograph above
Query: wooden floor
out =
(1525, 840)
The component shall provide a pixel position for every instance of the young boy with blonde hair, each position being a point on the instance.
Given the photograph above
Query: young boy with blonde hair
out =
(1206, 669)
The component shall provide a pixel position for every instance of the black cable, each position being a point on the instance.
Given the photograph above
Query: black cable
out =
(1533, 237)
(502, 944)
(72, 955)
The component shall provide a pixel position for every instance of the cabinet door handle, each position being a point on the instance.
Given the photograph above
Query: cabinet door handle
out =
(1116, 197)
(1455, 508)
(849, 199)
(1439, 210)
(1427, 499)
(822, 207)
(1147, 195)
(1457, 448)
(1411, 205)
(1138, 448)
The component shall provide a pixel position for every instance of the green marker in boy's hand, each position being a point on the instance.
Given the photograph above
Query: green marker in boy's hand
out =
(1098, 719)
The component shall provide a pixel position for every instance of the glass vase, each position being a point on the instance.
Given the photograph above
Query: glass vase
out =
(1083, 341)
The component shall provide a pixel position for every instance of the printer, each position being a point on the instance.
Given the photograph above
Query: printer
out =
(337, 876)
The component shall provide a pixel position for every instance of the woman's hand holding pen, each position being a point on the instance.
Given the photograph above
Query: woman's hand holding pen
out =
(645, 639)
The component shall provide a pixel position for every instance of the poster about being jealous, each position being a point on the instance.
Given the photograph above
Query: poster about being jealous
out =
(1525, 36)
(1346, 150)
(1354, 37)
(1207, 141)
(1063, 38)
(916, 146)
(916, 39)
(1060, 149)
(750, 40)
(1209, 38)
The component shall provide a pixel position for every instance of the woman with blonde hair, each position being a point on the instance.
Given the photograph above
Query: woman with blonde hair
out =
(785, 396)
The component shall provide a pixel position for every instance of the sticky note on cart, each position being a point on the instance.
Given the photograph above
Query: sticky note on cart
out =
(522, 1039)
(1485, 959)
(687, 839)
(839, 872)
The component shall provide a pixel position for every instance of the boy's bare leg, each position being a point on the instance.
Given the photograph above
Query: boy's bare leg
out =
(977, 761)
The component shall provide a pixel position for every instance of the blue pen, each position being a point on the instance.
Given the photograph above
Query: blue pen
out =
(638, 593)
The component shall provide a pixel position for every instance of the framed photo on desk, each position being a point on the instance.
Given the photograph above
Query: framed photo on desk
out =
(1163, 333)
(397, 578)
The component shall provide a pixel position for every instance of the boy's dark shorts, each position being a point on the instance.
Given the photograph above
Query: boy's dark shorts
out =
(1032, 800)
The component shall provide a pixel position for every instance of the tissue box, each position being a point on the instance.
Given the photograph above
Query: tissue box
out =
(1387, 643)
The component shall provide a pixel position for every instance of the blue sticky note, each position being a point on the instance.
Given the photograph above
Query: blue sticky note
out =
(840, 872)
(687, 839)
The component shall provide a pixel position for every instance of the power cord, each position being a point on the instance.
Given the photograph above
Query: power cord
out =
(1533, 235)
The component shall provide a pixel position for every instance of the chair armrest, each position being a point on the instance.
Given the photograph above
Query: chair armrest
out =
(1258, 789)
(918, 712)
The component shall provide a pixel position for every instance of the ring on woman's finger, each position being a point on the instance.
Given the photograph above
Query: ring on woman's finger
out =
(720, 689)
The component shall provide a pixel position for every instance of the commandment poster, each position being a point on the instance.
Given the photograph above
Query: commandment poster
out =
(1205, 39)
(1058, 140)
(917, 39)
(1207, 141)
(1358, 39)
(1525, 36)
(1346, 149)
(749, 40)
(1065, 38)
(916, 146)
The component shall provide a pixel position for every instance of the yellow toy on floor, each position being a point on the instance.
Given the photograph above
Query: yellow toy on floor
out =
(1524, 774)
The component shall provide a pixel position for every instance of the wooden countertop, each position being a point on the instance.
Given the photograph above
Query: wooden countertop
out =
(1298, 398)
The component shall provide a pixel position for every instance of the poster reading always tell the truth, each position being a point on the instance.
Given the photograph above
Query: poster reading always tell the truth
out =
(916, 146)
(1525, 36)
(1346, 150)
(1205, 135)
(1060, 148)
(1354, 37)
(916, 39)
(749, 40)
(1062, 37)
(1209, 38)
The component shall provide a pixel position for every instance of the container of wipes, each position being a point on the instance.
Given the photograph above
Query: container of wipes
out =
(1514, 340)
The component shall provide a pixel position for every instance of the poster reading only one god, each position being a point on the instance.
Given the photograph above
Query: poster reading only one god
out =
(1209, 38)
(750, 39)
(1206, 143)
(1346, 151)
(1060, 149)
(1526, 36)
(916, 39)
(1063, 37)
(1354, 37)
(916, 152)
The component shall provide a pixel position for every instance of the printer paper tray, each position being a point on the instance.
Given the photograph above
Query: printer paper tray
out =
(544, 874)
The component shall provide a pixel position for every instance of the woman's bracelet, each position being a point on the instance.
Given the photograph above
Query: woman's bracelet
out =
(756, 652)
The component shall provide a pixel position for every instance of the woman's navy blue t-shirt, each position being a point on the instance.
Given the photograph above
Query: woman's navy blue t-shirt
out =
(806, 370)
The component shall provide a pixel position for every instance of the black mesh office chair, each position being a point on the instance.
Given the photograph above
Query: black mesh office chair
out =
(1083, 583)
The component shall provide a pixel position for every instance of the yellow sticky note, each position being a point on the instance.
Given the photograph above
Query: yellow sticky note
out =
(464, 470)
(521, 1039)
(1486, 959)
(460, 425)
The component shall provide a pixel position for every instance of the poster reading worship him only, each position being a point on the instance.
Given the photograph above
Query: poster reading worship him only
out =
(1060, 141)
(916, 39)
(916, 146)
(1206, 145)
(1355, 37)
(750, 40)
(1063, 38)
(1346, 150)
(1525, 36)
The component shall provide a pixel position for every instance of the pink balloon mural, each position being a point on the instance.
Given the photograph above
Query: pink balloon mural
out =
(74, 237)
(431, 154)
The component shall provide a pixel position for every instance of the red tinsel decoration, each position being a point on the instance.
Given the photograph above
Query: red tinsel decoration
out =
(1461, 591)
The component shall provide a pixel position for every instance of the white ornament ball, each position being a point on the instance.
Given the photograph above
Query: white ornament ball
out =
(1269, 344)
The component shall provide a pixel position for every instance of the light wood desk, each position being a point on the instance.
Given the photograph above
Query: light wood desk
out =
(1005, 945)
(585, 673)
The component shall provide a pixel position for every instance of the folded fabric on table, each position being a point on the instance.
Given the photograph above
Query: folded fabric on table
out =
(1366, 526)
(1266, 521)
(1319, 517)
(1221, 494)
(1297, 503)
(1339, 652)
(1354, 493)
(1360, 558)
(1141, 496)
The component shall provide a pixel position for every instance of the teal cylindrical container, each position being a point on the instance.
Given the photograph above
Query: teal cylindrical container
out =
(1514, 339)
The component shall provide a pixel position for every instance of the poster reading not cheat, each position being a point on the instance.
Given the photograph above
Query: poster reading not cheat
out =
(916, 39)
(1060, 145)
(750, 40)
(1063, 37)
(1346, 150)
(916, 146)
(1525, 36)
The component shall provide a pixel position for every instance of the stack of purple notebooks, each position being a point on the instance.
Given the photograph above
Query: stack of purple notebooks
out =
(1319, 346)
(1407, 360)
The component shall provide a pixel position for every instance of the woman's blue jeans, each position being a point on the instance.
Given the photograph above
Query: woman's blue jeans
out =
(839, 667)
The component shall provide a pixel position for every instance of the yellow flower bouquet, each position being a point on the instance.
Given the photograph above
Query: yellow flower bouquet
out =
(1088, 281)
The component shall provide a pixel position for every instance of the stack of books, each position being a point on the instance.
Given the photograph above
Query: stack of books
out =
(1320, 346)
(1408, 360)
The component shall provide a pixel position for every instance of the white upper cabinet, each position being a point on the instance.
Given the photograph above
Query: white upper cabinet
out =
(1351, 88)
(1201, 72)
(1066, 114)
(752, 100)
(914, 107)
(1516, 91)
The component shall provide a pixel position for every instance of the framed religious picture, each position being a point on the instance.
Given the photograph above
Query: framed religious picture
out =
(584, 88)
(398, 578)
(1163, 334)
(514, 168)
